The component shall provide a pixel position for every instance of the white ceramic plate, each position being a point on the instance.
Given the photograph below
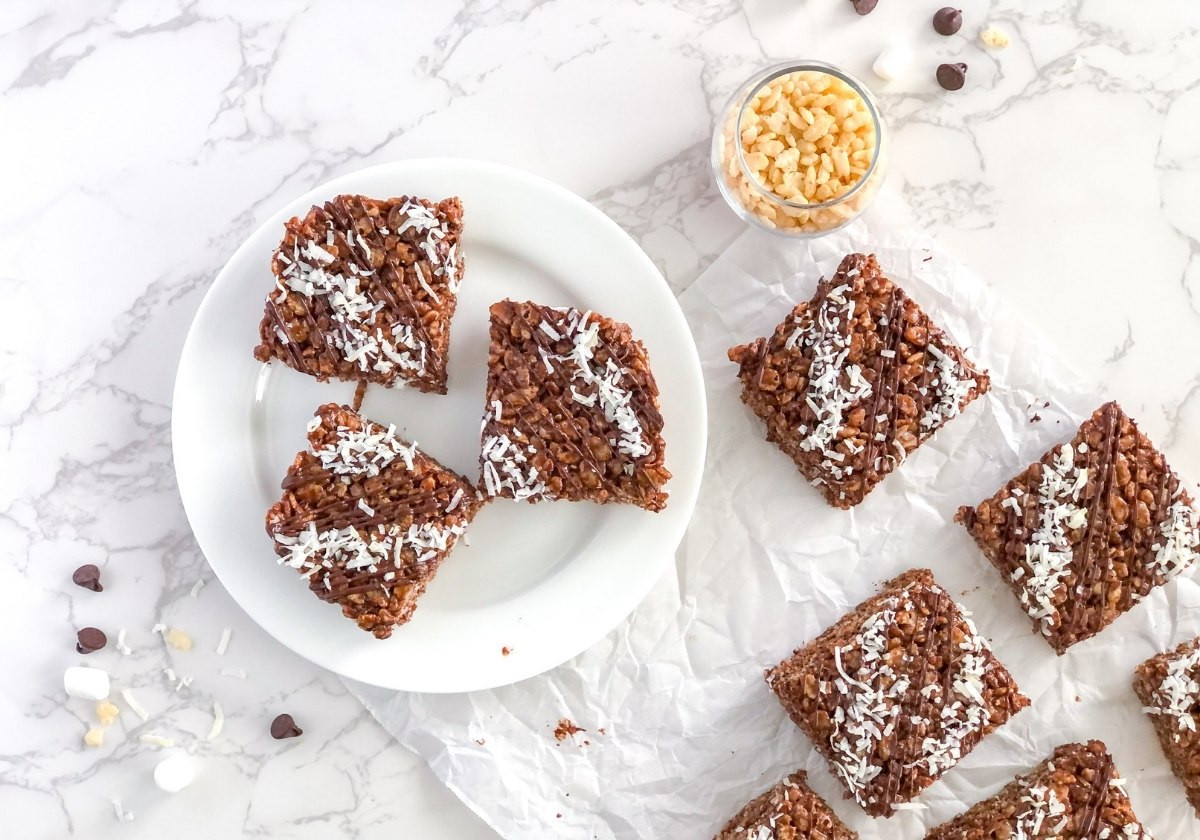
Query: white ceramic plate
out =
(545, 580)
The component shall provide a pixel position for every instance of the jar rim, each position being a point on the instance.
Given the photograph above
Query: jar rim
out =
(764, 78)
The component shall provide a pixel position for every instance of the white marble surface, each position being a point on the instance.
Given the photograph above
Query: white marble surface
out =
(142, 140)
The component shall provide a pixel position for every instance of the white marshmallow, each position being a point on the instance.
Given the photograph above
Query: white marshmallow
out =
(174, 773)
(86, 683)
(892, 62)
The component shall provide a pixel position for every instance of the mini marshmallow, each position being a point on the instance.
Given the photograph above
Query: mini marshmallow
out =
(174, 773)
(86, 683)
(892, 62)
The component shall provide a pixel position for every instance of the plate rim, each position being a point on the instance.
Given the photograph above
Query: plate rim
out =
(691, 364)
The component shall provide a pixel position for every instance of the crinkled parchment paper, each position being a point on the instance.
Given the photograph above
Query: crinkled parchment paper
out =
(680, 728)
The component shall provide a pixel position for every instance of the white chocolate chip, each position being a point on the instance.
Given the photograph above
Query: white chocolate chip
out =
(93, 737)
(106, 712)
(893, 62)
(177, 639)
(994, 36)
(86, 683)
(174, 773)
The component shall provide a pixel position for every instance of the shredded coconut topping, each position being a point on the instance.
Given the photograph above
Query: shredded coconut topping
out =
(603, 384)
(364, 452)
(954, 385)
(314, 551)
(872, 707)
(1179, 540)
(1045, 817)
(506, 467)
(1048, 553)
(833, 386)
(876, 700)
(1179, 692)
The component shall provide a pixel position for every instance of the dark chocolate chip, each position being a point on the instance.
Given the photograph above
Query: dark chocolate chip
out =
(87, 576)
(90, 640)
(864, 7)
(952, 76)
(947, 20)
(284, 727)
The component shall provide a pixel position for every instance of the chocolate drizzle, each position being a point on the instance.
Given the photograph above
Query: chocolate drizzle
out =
(389, 281)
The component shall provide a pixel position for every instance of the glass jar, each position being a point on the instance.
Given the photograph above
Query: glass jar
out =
(769, 151)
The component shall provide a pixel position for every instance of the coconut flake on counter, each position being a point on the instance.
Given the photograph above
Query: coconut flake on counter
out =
(134, 705)
(156, 740)
(218, 722)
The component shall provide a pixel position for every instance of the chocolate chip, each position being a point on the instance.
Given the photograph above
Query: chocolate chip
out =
(87, 576)
(90, 640)
(864, 7)
(284, 727)
(947, 20)
(952, 76)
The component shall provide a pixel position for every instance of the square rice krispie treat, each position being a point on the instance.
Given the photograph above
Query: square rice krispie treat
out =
(571, 411)
(853, 381)
(897, 692)
(367, 518)
(1089, 530)
(364, 291)
(1076, 794)
(788, 811)
(1169, 687)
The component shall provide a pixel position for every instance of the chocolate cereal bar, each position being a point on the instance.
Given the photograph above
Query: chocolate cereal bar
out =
(897, 692)
(854, 380)
(788, 811)
(571, 410)
(1076, 794)
(367, 518)
(1169, 687)
(365, 290)
(1089, 530)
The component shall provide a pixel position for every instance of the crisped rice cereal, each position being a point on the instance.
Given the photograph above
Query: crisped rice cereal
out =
(807, 138)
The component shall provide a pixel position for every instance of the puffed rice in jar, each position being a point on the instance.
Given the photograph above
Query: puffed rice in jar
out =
(799, 149)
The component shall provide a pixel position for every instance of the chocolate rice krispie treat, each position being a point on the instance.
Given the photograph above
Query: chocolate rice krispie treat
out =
(854, 380)
(1169, 687)
(367, 518)
(364, 291)
(571, 411)
(1076, 794)
(788, 811)
(1089, 530)
(897, 692)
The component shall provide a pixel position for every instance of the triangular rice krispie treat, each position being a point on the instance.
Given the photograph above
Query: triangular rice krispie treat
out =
(788, 811)
(854, 380)
(572, 410)
(1076, 794)
(367, 518)
(1169, 687)
(365, 290)
(1089, 530)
